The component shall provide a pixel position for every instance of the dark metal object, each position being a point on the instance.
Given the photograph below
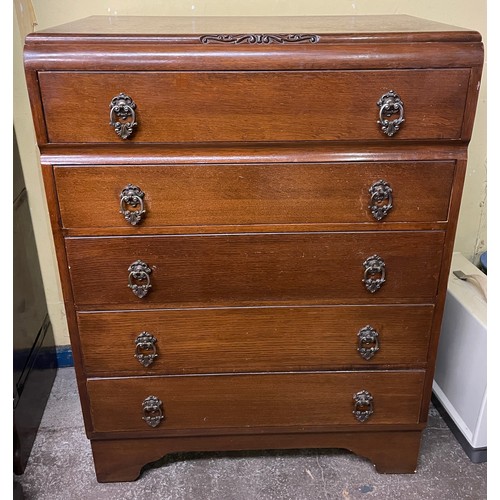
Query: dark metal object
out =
(380, 191)
(389, 105)
(152, 411)
(132, 196)
(260, 39)
(475, 279)
(145, 342)
(34, 356)
(368, 342)
(460, 275)
(139, 271)
(363, 405)
(374, 266)
(122, 115)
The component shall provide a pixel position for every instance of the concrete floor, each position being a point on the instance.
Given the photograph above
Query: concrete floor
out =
(61, 468)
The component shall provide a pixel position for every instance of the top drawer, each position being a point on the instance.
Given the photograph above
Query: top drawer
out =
(227, 106)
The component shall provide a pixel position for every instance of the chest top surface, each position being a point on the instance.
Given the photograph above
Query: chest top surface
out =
(208, 65)
(397, 28)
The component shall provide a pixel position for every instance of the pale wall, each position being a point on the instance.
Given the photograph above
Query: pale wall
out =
(471, 237)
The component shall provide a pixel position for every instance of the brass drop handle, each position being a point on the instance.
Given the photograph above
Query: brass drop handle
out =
(152, 411)
(380, 199)
(389, 105)
(374, 275)
(139, 271)
(368, 344)
(132, 196)
(363, 406)
(145, 349)
(122, 115)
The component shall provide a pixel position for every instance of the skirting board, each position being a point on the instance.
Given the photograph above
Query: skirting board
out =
(64, 356)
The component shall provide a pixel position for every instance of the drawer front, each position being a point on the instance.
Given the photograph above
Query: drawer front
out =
(253, 269)
(253, 401)
(253, 339)
(253, 106)
(91, 197)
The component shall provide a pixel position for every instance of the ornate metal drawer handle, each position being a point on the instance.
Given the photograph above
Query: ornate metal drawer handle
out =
(139, 271)
(363, 405)
(122, 115)
(380, 191)
(374, 266)
(390, 104)
(152, 411)
(368, 344)
(144, 344)
(132, 196)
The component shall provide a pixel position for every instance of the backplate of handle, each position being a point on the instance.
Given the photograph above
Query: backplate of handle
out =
(145, 349)
(152, 411)
(139, 272)
(122, 115)
(380, 199)
(132, 196)
(390, 104)
(363, 406)
(368, 342)
(374, 275)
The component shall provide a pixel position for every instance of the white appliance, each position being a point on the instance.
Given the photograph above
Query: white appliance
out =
(459, 385)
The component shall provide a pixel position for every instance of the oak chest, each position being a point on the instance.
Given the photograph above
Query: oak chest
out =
(254, 220)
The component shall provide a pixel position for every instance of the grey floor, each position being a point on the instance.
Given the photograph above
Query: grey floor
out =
(61, 467)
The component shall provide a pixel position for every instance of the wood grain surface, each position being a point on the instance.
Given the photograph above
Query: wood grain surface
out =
(266, 400)
(281, 106)
(192, 195)
(255, 157)
(254, 339)
(255, 269)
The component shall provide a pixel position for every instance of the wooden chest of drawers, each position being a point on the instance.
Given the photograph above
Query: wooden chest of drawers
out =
(254, 220)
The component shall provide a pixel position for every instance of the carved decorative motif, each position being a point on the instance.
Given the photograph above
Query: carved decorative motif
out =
(260, 38)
